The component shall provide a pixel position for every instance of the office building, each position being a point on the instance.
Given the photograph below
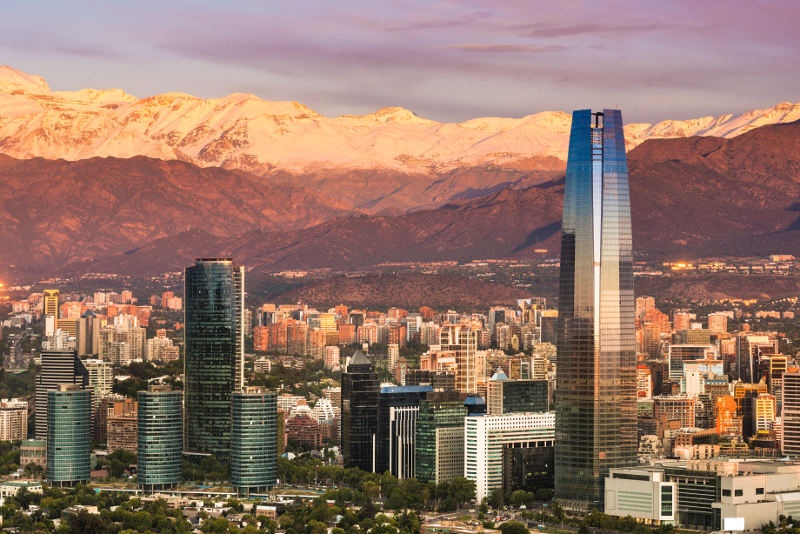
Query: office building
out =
(489, 439)
(596, 399)
(58, 367)
(253, 441)
(510, 396)
(69, 434)
(398, 407)
(101, 379)
(214, 344)
(440, 437)
(160, 438)
(360, 391)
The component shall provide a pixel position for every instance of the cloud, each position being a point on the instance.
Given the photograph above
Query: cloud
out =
(496, 48)
(550, 31)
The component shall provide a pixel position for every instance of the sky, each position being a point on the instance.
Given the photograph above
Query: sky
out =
(444, 60)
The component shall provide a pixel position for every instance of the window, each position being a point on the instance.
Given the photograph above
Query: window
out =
(759, 491)
(738, 493)
(726, 493)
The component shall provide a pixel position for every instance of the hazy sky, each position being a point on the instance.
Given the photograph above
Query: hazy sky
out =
(444, 60)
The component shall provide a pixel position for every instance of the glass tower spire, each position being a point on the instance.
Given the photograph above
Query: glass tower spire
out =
(596, 388)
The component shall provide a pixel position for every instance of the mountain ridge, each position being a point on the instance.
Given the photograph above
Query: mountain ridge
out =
(242, 131)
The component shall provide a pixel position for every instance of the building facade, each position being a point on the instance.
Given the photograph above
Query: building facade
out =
(440, 437)
(360, 391)
(58, 367)
(214, 361)
(160, 438)
(596, 392)
(488, 437)
(69, 434)
(254, 441)
(398, 408)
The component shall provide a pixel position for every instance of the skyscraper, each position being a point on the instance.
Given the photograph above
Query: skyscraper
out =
(160, 438)
(398, 408)
(596, 392)
(360, 391)
(253, 442)
(58, 367)
(214, 343)
(463, 340)
(69, 434)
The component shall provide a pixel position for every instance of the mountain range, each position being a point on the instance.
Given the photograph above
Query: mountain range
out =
(102, 181)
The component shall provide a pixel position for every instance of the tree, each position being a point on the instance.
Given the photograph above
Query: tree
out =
(513, 527)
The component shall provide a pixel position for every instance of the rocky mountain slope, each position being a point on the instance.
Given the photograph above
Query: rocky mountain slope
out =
(690, 197)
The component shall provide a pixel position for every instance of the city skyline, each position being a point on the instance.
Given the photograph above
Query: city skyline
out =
(445, 61)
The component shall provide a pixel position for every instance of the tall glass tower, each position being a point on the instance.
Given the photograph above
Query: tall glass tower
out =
(214, 364)
(254, 446)
(160, 438)
(69, 433)
(596, 392)
(360, 393)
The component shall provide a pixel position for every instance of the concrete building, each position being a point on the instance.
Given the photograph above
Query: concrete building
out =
(486, 438)
(642, 493)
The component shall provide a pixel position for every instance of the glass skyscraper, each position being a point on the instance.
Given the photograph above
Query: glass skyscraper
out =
(69, 434)
(254, 446)
(360, 392)
(160, 438)
(214, 365)
(596, 392)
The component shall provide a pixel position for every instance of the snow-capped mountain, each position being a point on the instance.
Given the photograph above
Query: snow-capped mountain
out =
(245, 132)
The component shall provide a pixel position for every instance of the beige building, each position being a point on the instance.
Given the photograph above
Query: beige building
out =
(13, 420)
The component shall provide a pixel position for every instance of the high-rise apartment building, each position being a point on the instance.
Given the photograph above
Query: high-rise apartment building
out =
(160, 438)
(462, 339)
(596, 392)
(254, 441)
(13, 420)
(214, 344)
(790, 435)
(58, 367)
(360, 391)
(69, 434)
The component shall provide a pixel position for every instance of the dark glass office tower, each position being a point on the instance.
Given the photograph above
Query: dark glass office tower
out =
(398, 408)
(214, 343)
(596, 388)
(58, 367)
(360, 390)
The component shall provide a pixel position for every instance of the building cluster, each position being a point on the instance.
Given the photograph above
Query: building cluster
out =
(614, 403)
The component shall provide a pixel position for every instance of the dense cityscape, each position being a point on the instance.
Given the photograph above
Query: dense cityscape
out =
(195, 407)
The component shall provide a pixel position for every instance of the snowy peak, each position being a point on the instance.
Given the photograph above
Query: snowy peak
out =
(13, 80)
(245, 132)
